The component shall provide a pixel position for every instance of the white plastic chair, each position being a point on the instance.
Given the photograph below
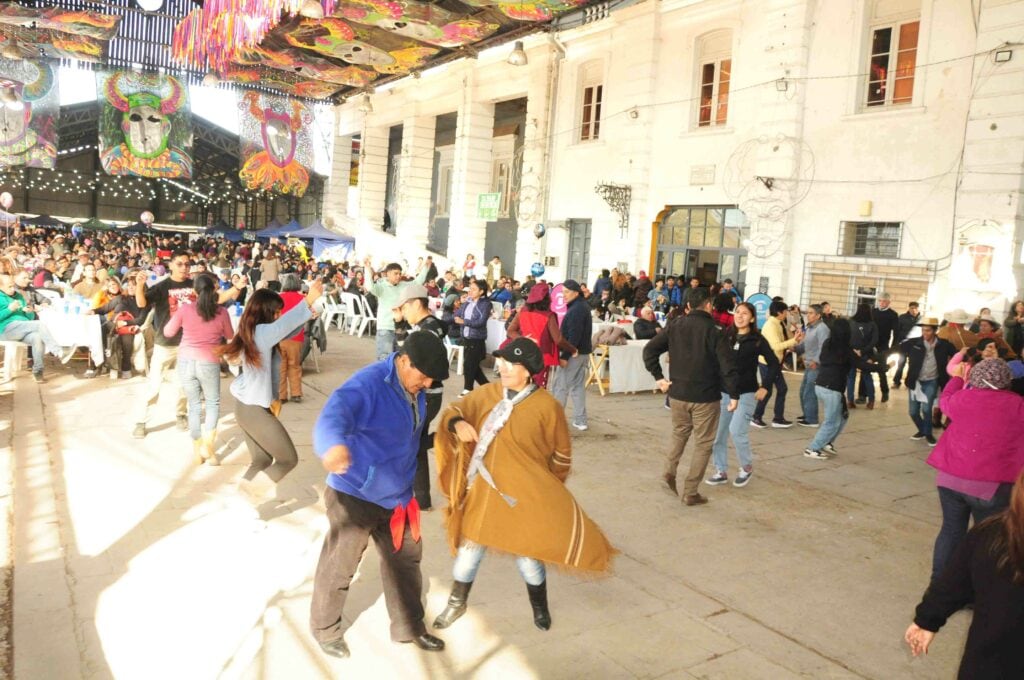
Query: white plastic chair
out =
(15, 358)
(350, 304)
(456, 352)
(366, 316)
(333, 312)
(51, 295)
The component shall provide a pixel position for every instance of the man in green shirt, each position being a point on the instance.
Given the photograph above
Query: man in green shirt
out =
(387, 290)
(18, 322)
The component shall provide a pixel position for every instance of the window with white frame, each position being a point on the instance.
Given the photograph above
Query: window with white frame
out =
(714, 73)
(892, 52)
(501, 183)
(591, 98)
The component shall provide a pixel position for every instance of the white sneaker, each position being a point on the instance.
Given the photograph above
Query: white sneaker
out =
(581, 428)
(463, 393)
(828, 448)
(817, 455)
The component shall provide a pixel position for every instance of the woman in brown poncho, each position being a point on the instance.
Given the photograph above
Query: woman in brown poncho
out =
(503, 454)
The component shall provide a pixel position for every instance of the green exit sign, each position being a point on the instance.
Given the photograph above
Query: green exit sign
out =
(487, 206)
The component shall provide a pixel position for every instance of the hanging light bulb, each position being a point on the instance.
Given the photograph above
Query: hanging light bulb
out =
(366, 106)
(211, 80)
(518, 55)
(312, 9)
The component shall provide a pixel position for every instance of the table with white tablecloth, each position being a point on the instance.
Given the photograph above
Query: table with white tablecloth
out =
(625, 368)
(75, 330)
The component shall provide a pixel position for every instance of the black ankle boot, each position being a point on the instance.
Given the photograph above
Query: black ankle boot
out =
(456, 605)
(539, 602)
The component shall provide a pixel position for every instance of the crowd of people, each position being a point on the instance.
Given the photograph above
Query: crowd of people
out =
(187, 310)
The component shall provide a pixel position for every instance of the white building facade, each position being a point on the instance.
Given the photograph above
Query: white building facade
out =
(816, 150)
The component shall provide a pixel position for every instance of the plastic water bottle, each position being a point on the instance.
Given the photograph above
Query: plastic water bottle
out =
(238, 308)
(67, 306)
(508, 309)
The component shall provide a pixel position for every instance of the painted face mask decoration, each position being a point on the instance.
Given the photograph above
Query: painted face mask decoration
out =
(275, 166)
(28, 110)
(146, 129)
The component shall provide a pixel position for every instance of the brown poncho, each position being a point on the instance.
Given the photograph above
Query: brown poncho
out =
(529, 459)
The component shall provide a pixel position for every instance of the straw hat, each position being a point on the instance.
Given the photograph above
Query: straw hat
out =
(957, 316)
(928, 321)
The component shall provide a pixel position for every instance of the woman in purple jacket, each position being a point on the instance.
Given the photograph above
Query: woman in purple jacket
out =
(472, 318)
(979, 456)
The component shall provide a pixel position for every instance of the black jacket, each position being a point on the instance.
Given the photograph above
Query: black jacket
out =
(993, 648)
(887, 322)
(914, 351)
(644, 329)
(578, 327)
(904, 325)
(864, 335)
(701, 365)
(835, 364)
(746, 349)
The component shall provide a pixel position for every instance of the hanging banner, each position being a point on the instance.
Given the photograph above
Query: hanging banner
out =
(276, 147)
(145, 125)
(29, 114)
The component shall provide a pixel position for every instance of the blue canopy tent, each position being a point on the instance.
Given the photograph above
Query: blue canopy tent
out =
(277, 230)
(222, 230)
(340, 245)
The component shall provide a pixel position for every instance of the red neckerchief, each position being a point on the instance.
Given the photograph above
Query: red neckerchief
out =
(412, 511)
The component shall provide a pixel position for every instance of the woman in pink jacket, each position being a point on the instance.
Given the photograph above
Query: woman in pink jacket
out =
(980, 454)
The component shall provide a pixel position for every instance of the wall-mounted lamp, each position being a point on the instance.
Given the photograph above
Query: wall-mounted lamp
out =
(781, 85)
(517, 57)
(1003, 56)
(634, 113)
(366, 106)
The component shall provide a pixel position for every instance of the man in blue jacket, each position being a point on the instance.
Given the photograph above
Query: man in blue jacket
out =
(367, 436)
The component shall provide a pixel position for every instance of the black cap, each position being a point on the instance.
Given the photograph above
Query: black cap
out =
(525, 352)
(427, 354)
(572, 285)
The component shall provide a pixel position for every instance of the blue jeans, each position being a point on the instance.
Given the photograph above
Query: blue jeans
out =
(867, 381)
(780, 388)
(469, 556)
(736, 424)
(32, 333)
(957, 510)
(808, 398)
(201, 381)
(834, 422)
(921, 411)
(385, 344)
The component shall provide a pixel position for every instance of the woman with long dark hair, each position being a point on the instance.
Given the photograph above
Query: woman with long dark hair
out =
(747, 345)
(987, 570)
(472, 318)
(204, 326)
(260, 329)
(538, 323)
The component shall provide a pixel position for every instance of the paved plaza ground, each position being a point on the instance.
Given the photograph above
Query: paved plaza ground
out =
(131, 562)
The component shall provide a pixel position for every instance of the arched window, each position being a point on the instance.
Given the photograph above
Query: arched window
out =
(714, 71)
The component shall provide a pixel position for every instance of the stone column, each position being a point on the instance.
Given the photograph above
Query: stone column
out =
(373, 177)
(416, 171)
(335, 208)
(474, 135)
(533, 199)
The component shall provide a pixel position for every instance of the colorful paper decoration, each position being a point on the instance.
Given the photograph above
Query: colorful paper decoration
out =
(55, 32)
(419, 20)
(541, 10)
(361, 45)
(276, 147)
(145, 125)
(273, 54)
(29, 113)
(212, 37)
(253, 75)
